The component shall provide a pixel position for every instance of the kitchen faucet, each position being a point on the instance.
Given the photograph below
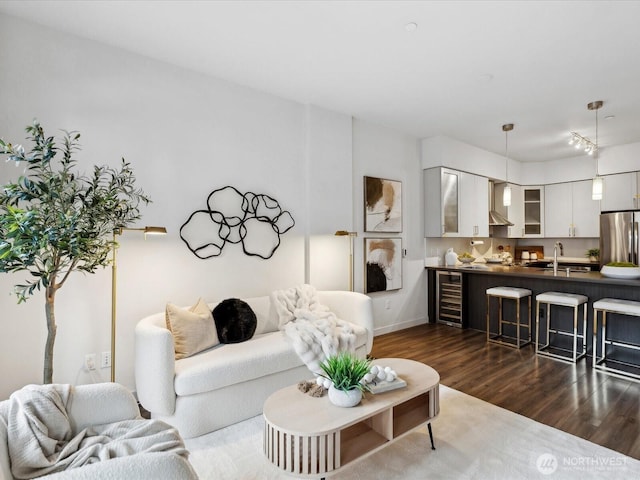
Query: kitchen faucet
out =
(555, 256)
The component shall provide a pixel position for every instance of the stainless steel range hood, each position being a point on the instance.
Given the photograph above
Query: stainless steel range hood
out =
(496, 219)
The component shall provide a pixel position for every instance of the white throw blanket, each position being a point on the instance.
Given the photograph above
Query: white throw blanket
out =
(316, 332)
(41, 440)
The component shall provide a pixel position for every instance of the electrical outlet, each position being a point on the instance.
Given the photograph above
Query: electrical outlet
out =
(105, 360)
(90, 361)
(387, 304)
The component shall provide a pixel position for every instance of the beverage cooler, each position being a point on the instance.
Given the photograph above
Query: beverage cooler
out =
(449, 298)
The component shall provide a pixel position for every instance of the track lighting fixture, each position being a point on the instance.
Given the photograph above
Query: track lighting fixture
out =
(580, 142)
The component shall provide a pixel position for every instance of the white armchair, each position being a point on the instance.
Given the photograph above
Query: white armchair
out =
(100, 404)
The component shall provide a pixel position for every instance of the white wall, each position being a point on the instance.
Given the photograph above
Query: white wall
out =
(443, 151)
(618, 159)
(385, 153)
(329, 182)
(185, 135)
(582, 167)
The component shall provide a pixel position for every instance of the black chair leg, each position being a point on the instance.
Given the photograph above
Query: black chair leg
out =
(433, 447)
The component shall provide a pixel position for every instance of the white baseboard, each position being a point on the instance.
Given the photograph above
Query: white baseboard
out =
(399, 326)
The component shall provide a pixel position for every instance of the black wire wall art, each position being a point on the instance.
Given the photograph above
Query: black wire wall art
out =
(255, 221)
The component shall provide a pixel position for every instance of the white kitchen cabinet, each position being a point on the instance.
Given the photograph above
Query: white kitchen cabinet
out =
(441, 202)
(586, 211)
(474, 205)
(533, 211)
(620, 192)
(558, 215)
(456, 204)
(570, 211)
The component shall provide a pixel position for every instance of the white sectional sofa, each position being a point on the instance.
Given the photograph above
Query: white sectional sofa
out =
(230, 382)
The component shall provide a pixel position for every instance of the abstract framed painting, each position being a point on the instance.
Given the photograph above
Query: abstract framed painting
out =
(383, 264)
(382, 205)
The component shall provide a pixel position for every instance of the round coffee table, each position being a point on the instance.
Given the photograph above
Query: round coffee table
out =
(310, 437)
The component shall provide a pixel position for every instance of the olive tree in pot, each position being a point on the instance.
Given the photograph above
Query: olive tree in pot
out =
(54, 220)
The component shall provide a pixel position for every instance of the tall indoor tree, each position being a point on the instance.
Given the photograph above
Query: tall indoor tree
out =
(55, 220)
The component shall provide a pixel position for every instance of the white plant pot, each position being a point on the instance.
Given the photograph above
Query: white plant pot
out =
(342, 398)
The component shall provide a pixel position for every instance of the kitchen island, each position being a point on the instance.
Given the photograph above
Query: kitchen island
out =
(477, 278)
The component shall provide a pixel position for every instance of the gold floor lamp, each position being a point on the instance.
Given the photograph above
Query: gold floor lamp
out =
(118, 231)
(351, 235)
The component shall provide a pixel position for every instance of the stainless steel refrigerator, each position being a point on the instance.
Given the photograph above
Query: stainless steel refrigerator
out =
(619, 237)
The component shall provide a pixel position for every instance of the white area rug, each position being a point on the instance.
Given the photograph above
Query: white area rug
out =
(474, 440)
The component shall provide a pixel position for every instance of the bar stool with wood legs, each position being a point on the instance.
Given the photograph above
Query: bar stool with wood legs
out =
(628, 368)
(512, 293)
(562, 299)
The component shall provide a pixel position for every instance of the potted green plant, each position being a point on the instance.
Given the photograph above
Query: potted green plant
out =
(593, 254)
(346, 372)
(55, 220)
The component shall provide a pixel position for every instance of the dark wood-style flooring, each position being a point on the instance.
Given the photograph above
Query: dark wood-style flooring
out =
(574, 398)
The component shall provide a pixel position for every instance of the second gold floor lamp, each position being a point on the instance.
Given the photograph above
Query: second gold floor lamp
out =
(351, 235)
(114, 271)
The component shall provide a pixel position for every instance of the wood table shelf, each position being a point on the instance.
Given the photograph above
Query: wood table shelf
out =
(309, 437)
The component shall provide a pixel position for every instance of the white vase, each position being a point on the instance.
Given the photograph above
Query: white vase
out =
(344, 398)
(450, 258)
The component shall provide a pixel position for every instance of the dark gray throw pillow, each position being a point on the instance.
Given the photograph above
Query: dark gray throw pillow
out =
(235, 321)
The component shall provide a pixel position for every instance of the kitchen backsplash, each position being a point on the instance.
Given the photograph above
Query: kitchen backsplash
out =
(573, 247)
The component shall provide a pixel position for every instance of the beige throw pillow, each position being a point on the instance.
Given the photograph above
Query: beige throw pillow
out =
(193, 329)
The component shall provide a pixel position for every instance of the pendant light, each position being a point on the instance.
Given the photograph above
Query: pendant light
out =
(506, 195)
(596, 184)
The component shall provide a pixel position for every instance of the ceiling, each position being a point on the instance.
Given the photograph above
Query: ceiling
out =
(468, 68)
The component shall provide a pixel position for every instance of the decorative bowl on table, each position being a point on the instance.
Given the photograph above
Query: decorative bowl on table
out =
(612, 271)
(466, 259)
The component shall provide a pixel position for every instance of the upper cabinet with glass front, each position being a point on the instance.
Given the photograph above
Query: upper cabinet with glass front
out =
(456, 204)
(441, 202)
(533, 211)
